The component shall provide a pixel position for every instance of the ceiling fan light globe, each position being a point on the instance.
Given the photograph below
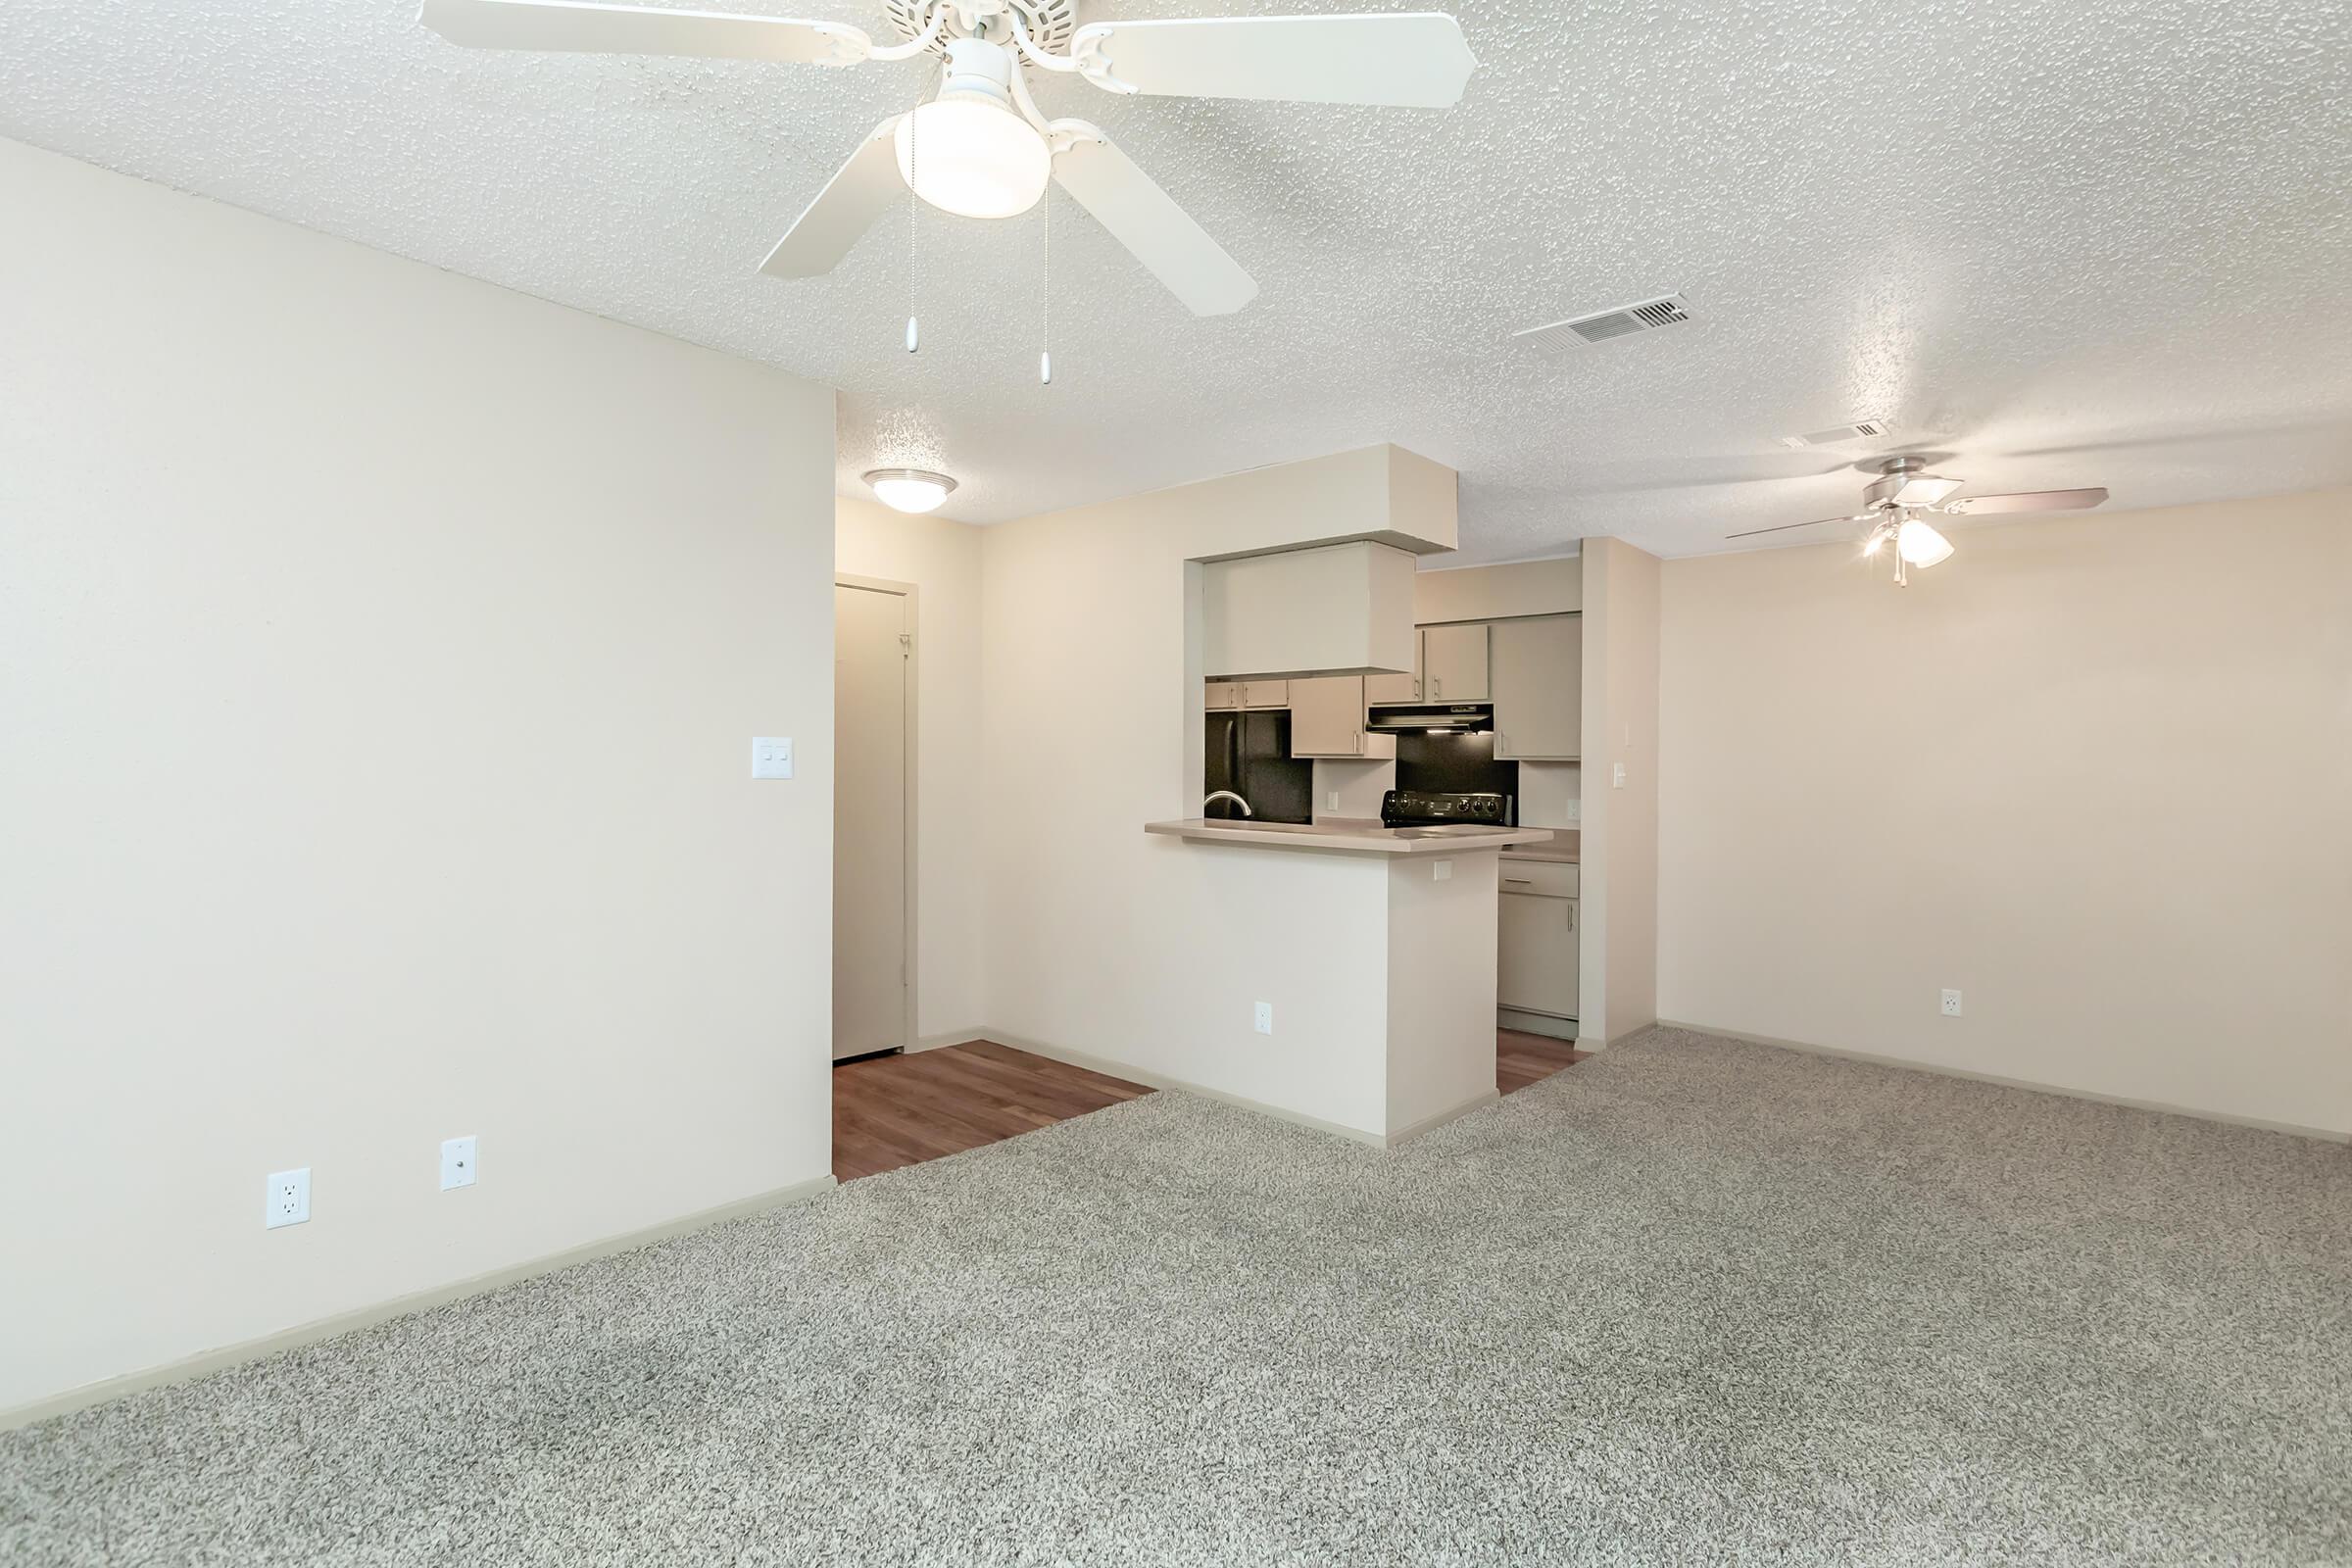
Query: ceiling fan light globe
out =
(968, 155)
(911, 490)
(1921, 545)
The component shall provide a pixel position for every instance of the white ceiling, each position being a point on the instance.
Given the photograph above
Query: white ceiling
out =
(2091, 242)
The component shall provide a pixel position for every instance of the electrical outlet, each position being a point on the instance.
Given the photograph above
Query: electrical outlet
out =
(1952, 1003)
(1265, 1017)
(287, 1199)
(457, 1162)
(1575, 811)
(1617, 775)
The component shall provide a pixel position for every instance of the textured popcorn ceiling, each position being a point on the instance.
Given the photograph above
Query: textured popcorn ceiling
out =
(2098, 242)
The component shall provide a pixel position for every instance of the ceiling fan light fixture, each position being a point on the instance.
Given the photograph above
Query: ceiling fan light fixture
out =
(911, 490)
(967, 152)
(1920, 544)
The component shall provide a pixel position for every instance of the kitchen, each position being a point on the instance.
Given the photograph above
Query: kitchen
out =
(1357, 707)
(1489, 713)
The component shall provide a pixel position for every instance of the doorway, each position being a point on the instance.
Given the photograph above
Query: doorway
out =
(874, 823)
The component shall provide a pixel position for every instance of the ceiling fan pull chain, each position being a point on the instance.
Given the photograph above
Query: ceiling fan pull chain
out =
(915, 206)
(1045, 354)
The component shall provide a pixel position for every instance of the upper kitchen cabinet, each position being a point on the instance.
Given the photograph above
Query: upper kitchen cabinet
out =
(1332, 610)
(1539, 678)
(1404, 686)
(1327, 720)
(1455, 664)
(1232, 693)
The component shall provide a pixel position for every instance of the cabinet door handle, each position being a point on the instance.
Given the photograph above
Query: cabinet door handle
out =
(1503, 744)
(1436, 689)
(1571, 902)
(1521, 881)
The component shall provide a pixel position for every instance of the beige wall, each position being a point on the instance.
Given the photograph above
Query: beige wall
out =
(1492, 593)
(1148, 951)
(941, 558)
(379, 656)
(2095, 773)
(1618, 954)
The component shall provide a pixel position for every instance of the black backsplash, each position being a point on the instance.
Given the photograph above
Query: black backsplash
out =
(1461, 762)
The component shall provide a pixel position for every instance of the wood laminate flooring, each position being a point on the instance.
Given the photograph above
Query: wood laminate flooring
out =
(1522, 1059)
(890, 1111)
(899, 1111)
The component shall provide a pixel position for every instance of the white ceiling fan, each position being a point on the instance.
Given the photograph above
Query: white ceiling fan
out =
(980, 148)
(1892, 504)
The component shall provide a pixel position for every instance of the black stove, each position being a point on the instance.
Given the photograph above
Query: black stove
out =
(1439, 809)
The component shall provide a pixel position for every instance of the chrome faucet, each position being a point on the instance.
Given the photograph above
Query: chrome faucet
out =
(1227, 795)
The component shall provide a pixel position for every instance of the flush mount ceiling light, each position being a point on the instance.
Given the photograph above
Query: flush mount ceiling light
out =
(981, 147)
(915, 490)
(1893, 502)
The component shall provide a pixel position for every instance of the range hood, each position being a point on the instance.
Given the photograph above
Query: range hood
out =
(1421, 716)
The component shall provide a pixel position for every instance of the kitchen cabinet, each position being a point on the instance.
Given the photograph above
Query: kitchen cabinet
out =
(1232, 693)
(1403, 687)
(1537, 941)
(1328, 610)
(1327, 720)
(1539, 678)
(1454, 663)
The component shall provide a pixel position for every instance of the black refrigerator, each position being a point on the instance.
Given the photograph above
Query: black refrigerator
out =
(1250, 754)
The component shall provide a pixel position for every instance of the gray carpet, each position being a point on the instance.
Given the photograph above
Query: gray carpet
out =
(1690, 1302)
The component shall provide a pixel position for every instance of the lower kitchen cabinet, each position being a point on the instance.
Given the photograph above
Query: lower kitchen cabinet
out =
(1537, 953)
(1327, 720)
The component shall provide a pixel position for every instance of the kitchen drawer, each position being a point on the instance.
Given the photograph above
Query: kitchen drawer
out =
(1551, 879)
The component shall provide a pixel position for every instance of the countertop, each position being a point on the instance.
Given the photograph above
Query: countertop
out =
(1562, 849)
(1351, 835)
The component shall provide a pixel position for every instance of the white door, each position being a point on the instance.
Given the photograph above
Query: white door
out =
(869, 820)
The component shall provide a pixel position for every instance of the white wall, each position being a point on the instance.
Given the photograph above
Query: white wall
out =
(380, 654)
(2095, 773)
(1149, 952)
(941, 558)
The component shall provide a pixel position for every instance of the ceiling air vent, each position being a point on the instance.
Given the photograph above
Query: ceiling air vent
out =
(1858, 431)
(1601, 325)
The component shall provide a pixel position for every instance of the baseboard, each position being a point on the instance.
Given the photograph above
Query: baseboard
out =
(1135, 1075)
(1550, 1025)
(1432, 1123)
(2326, 1134)
(1597, 1042)
(954, 1037)
(326, 1328)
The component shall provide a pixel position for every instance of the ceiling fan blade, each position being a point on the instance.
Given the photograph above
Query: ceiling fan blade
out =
(2027, 501)
(1417, 60)
(1146, 220)
(643, 30)
(844, 210)
(1783, 527)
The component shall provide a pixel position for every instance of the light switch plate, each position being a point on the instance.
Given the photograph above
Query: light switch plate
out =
(771, 757)
(1617, 775)
(1442, 871)
(456, 1161)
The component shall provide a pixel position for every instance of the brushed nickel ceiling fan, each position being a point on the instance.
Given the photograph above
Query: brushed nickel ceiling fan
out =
(980, 147)
(1895, 502)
